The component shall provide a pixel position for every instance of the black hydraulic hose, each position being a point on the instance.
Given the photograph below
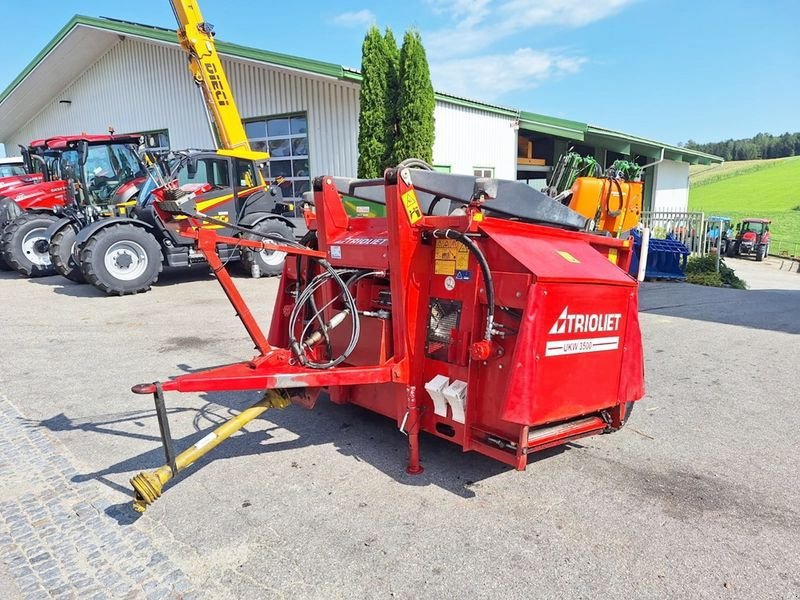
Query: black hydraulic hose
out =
(452, 234)
(414, 163)
(434, 202)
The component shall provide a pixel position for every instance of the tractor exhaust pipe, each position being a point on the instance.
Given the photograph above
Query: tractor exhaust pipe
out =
(147, 486)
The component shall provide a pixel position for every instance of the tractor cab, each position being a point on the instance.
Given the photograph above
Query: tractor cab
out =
(88, 177)
(103, 173)
(751, 239)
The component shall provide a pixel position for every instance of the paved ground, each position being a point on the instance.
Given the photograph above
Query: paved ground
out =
(696, 498)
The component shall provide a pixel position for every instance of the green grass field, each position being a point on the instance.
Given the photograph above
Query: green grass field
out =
(745, 189)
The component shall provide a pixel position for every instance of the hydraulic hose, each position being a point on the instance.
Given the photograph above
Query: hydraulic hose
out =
(452, 234)
(303, 297)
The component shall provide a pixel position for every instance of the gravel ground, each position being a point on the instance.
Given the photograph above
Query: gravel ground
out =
(696, 498)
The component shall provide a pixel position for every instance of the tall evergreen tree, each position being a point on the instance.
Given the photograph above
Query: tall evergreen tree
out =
(392, 95)
(416, 102)
(372, 150)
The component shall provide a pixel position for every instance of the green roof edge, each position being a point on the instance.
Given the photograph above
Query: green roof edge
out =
(170, 35)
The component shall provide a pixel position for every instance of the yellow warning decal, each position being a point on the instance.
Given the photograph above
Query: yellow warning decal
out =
(567, 256)
(450, 256)
(412, 206)
(612, 255)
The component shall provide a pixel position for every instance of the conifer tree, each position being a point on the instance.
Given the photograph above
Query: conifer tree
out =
(416, 102)
(372, 138)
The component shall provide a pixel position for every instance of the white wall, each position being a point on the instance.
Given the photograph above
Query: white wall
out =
(139, 86)
(671, 186)
(468, 138)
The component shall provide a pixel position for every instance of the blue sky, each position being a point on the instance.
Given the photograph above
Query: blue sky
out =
(666, 69)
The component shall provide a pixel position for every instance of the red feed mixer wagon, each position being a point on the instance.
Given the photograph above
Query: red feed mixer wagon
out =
(478, 311)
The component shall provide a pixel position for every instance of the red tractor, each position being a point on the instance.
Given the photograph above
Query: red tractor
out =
(14, 172)
(104, 169)
(751, 238)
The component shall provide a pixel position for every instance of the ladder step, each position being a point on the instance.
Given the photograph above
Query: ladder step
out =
(547, 435)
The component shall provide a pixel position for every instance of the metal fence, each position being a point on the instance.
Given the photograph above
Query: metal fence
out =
(784, 248)
(687, 227)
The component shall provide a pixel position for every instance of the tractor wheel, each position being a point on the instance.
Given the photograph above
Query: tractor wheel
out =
(759, 253)
(269, 263)
(730, 251)
(23, 245)
(62, 247)
(121, 259)
(9, 210)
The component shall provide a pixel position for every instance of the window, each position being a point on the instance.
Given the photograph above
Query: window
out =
(208, 170)
(126, 161)
(245, 175)
(157, 141)
(286, 140)
(11, 170)
(483, 171)
(442, 168)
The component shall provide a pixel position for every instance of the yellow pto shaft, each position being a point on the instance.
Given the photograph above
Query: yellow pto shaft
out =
(147, 486)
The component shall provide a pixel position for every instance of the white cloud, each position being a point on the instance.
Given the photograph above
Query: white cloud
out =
(356, 18)
(458, 56)
(490, 76)
(478, 24)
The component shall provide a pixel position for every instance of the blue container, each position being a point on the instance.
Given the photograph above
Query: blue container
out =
(666, 259)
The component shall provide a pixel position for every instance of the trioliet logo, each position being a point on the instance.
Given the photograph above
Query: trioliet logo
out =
(573, 323)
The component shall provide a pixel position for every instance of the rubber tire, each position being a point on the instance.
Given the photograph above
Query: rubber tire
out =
(9, 210)
(730, 251)
(759, 253)
(11, 244)
(272, 226)
(92, 259)
(61, 256)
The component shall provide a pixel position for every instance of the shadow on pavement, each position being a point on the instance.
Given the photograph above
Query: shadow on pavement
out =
(774, 310)
(353, 431)
(65, 287)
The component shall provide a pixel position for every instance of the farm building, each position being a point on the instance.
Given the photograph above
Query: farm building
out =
(304, 111)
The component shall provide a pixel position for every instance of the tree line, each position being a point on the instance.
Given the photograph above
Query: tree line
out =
(397, 103)
(762, 145)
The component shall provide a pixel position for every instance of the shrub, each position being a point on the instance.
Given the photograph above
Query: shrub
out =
(702, 271)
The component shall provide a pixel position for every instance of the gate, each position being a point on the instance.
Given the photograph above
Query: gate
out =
(687, 227)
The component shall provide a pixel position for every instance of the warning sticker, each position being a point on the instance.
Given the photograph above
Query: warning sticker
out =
(567, 256)
(412, 206)
(444, 267)
(450, 256)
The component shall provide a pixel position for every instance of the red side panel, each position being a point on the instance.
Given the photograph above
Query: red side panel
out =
(631, 381)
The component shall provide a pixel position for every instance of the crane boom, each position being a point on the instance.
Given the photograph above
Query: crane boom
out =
(196, 37)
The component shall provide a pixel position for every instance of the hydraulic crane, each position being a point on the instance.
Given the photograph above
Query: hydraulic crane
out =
(196, 37)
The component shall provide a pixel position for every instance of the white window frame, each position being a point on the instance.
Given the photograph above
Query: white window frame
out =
(487, 172)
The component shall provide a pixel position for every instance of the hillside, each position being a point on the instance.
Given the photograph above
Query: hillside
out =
(703, 174)
(769, 189)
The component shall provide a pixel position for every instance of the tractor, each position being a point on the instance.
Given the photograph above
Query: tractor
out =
(125, 254)
(101, 170)
(751, 238)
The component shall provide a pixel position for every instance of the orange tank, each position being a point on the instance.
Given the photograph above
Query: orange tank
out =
(616, 206)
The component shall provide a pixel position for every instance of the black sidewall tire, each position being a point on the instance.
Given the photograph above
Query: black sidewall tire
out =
(272, 226)
(61, 256)
(11, 244)
(93, 252)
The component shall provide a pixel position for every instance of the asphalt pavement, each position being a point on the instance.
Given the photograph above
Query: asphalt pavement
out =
(696, 497)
